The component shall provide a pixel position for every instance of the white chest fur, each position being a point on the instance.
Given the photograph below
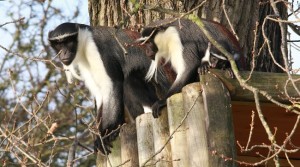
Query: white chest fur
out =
(170, 48)
(91, 68)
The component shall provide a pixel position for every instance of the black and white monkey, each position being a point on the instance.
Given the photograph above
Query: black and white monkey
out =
(113, 71)
(182, 43)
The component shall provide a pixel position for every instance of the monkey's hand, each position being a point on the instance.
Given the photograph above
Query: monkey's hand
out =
(230, 72)
(204, 67)
(157, 107)
(103, 146)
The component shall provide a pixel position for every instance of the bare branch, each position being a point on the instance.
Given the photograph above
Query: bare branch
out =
(15, 21)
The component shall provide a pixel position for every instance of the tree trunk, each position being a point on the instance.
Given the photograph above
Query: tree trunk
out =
(243, 16)
(264, 61)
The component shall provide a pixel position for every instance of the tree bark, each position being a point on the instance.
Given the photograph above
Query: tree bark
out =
(243, 16)
(264, 62)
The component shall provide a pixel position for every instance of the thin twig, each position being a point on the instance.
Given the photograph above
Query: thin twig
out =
(251, 129)
(228, 20)
(14, 21)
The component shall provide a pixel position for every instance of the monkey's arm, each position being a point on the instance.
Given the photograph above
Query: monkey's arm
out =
(111, 117)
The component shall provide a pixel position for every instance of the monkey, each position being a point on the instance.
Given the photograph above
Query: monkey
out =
(113, 71)
(183, 44)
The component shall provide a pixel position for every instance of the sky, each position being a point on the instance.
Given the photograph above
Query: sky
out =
(295, 47)
(67, 6)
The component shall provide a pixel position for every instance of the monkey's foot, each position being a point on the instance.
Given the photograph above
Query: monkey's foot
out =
(203, 69)
(157, 107)
(105, 146)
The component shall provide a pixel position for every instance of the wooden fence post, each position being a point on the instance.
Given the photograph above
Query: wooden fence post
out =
(145, 138)
(219, 122)
(195, 122)
(160, 136)
(101, 160)
(129, 150)
(113, 159)
(178, 143)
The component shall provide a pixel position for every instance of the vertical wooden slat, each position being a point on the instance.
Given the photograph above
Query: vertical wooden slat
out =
(195, 122)
(129, 150)
(161, 135)
(220, 130)
(178, 142)
(101, 160)
(115, 155)
(145, 138)
(113, 159)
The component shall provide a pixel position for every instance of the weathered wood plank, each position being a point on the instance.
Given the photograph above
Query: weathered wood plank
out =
(219, 122)
(115, 155)
(195, 122)
(178, 143)
(101, 160)
(129, 150)
(114, 158)
(161, 135)
(145, 138)
(273, 83)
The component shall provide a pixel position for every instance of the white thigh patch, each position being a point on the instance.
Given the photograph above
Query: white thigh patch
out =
(147, 109)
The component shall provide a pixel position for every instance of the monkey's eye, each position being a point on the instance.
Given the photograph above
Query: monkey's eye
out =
(57, 46)
(214, 59)
(69, 43)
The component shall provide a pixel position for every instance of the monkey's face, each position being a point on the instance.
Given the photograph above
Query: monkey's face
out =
(214, 61)
(63, 39)
(219, 63)
(65, 48)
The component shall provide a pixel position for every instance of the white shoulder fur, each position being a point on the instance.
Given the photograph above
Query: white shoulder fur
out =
(170, 48)
(91, 68)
